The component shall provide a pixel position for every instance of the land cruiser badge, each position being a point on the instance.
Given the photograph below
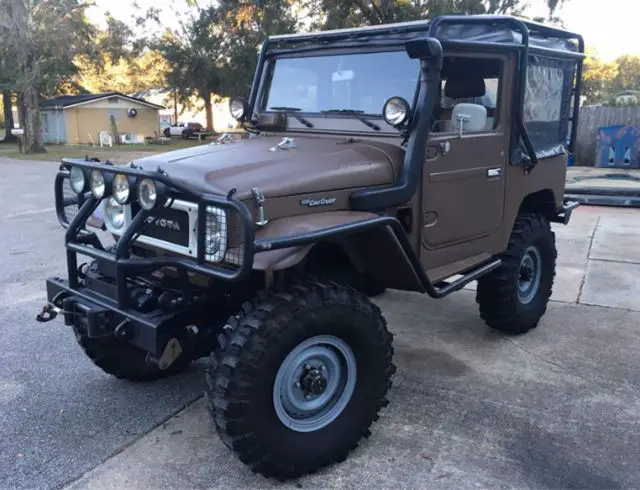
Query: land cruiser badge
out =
(312, 203)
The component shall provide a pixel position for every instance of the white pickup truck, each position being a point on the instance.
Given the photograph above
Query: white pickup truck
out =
(186, 130)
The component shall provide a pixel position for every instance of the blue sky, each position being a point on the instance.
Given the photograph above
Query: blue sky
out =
(610, 30)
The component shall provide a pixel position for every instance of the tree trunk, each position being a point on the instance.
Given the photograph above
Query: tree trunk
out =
(8, 118)
(209, 111)
(175, 106)
(33, 142)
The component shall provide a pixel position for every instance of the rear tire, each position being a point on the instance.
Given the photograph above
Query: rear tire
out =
(316, 343)
(514, 297)
(126, 361)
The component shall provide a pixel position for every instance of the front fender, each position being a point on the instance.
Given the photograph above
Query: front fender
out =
(284, 258)
(375, 244)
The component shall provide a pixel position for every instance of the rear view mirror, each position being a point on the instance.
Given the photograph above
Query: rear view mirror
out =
(339, 76)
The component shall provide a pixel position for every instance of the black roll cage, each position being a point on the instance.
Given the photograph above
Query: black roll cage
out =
(396, 34)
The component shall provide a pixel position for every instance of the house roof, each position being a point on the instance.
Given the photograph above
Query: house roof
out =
(66, 101)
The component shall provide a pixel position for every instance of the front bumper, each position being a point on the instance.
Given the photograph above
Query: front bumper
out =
(100, 316)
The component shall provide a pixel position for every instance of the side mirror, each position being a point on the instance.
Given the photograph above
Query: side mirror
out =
(239, 107)
(424, 48)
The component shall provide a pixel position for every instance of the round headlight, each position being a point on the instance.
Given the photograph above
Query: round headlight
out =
(238, 108)
(96, 184)
(121, 188)
(114, 213)
(77, 180)
(147, 194)
(396, 111)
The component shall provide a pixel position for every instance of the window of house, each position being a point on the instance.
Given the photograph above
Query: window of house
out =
(45, 122)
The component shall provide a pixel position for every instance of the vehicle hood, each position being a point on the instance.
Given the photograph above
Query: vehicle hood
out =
(316, 164)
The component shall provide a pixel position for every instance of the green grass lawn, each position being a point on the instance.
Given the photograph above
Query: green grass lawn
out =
(117, 154)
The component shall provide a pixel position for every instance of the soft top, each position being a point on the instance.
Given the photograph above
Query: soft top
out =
(472, 29)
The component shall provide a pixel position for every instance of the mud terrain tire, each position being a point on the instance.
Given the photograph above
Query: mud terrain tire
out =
(125, 361)
(514, 297)
(246, 398)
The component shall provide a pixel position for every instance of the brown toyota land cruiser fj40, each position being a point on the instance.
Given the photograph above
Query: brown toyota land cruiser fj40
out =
(418, 156)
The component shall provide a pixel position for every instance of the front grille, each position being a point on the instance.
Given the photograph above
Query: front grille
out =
(169, 225)
(175, 228)
(70, 200)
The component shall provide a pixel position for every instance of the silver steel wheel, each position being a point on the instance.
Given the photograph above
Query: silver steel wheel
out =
(314, 383)
(530, 274)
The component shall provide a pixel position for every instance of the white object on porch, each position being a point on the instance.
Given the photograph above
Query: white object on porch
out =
(105, 139)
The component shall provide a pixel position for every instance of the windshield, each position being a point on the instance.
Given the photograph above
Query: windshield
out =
(359, 82)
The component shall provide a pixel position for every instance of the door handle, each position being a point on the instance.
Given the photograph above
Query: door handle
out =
(439, 149)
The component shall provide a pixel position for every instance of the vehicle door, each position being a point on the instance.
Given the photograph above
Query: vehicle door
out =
(177, 129)
(467, 153)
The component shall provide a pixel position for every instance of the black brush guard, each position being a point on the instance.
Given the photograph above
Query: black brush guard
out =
(109, 312)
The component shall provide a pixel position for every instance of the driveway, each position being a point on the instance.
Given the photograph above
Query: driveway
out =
(469, 407)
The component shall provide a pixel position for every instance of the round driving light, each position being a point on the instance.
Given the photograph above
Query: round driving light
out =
(121, 188)
(396, 111)
(147, 194)
(77, 179)
(114, 213)
(238, 108)
(96, 183)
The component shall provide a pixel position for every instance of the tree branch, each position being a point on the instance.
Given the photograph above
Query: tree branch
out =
(366, 12)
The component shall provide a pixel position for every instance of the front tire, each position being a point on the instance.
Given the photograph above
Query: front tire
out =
(299, 377)
(514, 297)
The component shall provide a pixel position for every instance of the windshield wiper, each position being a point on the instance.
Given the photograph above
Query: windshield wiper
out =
(355, 114)
(289, 110)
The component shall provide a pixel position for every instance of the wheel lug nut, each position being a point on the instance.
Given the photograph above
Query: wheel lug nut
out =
(323, 367)
(297, 384)
(307, 366)
(307, 397)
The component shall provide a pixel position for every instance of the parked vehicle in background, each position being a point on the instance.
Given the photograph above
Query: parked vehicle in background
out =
(187, 130)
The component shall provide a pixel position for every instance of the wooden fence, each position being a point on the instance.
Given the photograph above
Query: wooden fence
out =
(592, 118)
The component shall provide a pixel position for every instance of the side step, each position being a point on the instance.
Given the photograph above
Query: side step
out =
(628, 201)
(444, 288)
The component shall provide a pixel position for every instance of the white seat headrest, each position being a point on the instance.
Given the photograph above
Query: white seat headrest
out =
(473, 115)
